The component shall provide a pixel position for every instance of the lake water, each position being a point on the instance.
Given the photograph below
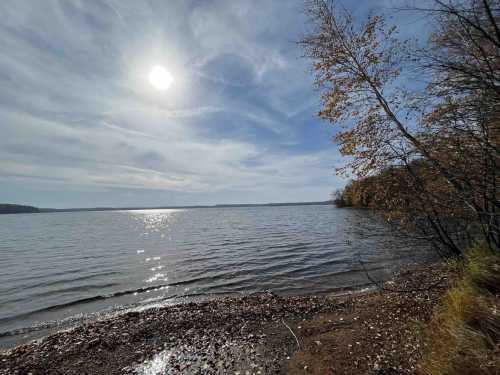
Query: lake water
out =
(59, 269)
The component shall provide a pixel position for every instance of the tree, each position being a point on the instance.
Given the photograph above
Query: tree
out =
(463, 59)
(418, 143)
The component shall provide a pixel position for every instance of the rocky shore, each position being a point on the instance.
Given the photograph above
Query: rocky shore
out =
(370, 333)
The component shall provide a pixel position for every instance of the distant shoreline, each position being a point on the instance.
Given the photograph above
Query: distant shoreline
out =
(19, 209)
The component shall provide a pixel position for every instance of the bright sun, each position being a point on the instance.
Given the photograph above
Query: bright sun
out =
(160, 78)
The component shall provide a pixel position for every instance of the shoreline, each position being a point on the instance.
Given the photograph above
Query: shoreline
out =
(262, 334)
(40, 331)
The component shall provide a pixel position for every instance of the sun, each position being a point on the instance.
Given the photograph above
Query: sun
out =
(160, 78)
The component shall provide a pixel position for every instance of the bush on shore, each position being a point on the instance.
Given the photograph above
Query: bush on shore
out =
(353, 195)
(463, 336)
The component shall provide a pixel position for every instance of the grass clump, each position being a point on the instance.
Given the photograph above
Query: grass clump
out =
(463, 336)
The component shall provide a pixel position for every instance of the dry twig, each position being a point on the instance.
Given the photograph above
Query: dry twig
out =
(296, 339)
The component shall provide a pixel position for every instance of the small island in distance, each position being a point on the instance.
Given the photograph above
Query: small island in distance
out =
(6, 208)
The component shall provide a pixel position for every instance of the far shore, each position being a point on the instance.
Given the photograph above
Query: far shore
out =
(373, 332)
(22, 209)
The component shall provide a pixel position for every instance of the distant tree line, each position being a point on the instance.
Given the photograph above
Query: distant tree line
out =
(425, 155)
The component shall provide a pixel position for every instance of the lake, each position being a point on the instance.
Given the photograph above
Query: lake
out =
(61, 269)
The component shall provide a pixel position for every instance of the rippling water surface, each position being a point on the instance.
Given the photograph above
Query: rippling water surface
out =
(57, 269)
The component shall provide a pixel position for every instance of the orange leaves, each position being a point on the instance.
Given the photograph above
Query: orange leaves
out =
(352, 64)
(437, 152)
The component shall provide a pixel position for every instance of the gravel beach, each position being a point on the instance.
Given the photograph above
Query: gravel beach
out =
(375, 332)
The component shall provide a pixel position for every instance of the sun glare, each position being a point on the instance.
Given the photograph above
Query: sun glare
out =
(160, 78)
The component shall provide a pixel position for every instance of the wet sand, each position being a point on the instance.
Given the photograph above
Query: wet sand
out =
(372, 333)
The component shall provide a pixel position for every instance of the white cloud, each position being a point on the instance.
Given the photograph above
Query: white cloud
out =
(77, 111)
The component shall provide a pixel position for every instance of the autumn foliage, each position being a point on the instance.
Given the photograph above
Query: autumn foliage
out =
(426, 156)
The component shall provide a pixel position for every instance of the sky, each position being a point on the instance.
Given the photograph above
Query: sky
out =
(81, 125)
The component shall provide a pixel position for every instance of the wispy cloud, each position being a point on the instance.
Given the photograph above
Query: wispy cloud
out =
(78, 116)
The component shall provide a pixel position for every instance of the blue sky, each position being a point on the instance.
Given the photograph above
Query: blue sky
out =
(81, 126)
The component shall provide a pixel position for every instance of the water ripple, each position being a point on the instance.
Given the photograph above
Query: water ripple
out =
(57, 266)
